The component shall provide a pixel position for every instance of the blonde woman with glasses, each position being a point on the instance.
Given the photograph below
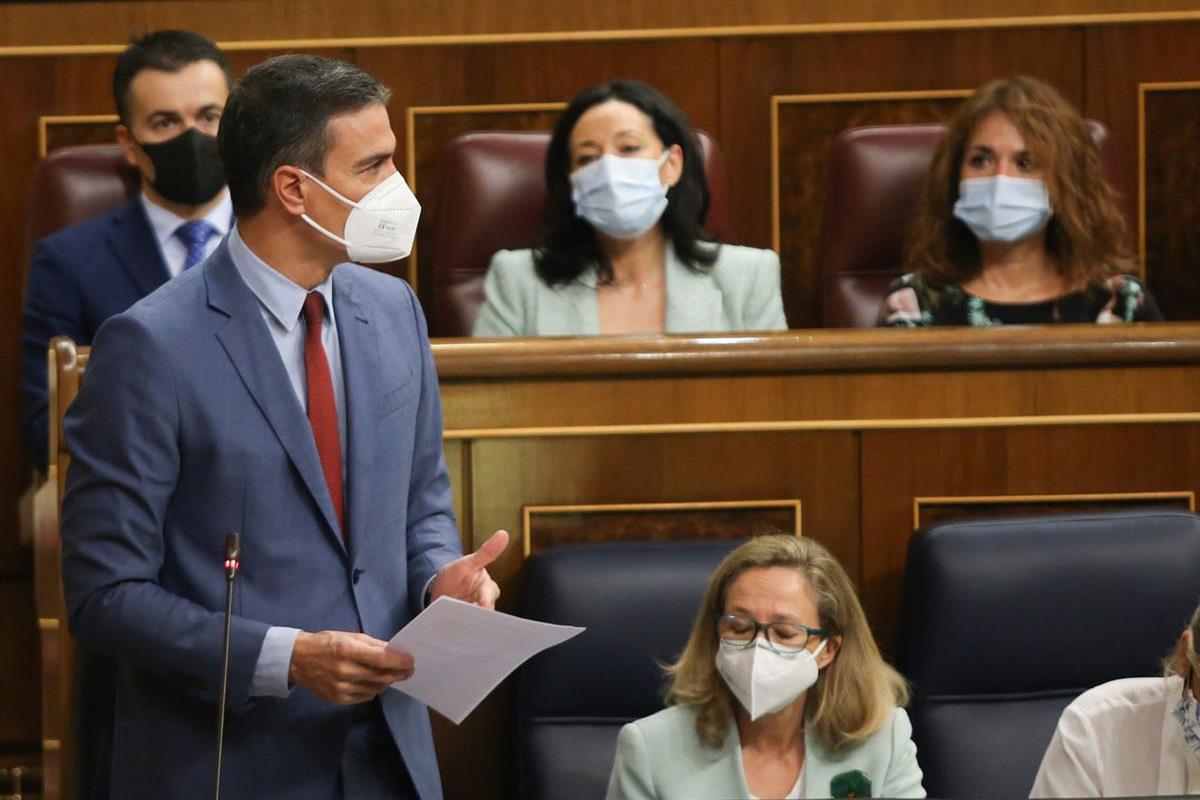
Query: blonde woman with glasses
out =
(780, 692)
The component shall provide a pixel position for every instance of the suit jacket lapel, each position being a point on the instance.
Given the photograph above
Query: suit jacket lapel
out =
(359, 343)
(136, 246)
(249, 345)
(693, 299)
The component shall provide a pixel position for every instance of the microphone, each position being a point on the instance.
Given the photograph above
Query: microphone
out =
(233, 560)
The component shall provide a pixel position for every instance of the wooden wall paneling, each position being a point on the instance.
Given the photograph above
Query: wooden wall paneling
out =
(934, 510)
(20, 697)
(1118, 61)
(554, 525)
(756, 69)
(1170, 150)
(804, 129)
(899, 466)
(49, 23)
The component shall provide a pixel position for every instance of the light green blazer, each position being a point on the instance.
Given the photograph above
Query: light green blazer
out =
(739, 293)
(661, 757)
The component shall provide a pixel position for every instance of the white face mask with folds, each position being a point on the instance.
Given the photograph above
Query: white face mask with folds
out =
(1003, 209)
(764, 680)
(622, 197)
(381, 226)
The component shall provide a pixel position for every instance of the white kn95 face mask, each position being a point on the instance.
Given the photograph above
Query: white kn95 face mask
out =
(381, 226)
(764, 680)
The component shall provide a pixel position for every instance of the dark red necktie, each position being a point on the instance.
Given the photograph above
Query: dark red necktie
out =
(322, 410)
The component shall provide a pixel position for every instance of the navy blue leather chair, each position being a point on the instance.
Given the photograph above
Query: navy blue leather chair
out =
(638, 602)
(1008, 620)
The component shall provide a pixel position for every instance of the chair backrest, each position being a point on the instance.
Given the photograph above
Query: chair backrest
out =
(72, 184)
(638, 602)
(1008, 620)
(62, 759)
(493, 197)
(872, 194)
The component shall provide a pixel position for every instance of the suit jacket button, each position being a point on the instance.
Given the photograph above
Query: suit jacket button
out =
(356, 574)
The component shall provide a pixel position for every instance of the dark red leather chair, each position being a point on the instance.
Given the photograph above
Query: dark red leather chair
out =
(873, 189)
(493, 197)
(72, 184)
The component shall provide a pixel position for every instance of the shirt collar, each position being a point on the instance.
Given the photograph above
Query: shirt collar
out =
(279, 294)
(165, 223)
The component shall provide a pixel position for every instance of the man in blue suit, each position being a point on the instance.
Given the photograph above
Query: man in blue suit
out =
(170, 89)
(276, 391)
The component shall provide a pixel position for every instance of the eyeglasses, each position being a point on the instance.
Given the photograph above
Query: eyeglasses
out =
(784, 637)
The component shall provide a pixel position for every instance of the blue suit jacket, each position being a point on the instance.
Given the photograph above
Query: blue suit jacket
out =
(79, 277)
(186, 428)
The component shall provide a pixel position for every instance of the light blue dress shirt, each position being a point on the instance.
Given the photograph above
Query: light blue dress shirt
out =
(281, 301)
(164, 224)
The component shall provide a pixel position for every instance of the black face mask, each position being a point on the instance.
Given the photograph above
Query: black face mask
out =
(187, 169)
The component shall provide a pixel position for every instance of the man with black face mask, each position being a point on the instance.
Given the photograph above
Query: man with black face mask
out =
(170, 89)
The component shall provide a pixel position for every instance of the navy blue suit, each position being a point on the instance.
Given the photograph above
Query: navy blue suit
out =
(79, 277)
(186, 428)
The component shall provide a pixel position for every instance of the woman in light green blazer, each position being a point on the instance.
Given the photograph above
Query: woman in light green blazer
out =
(781, 692)
(624, 250)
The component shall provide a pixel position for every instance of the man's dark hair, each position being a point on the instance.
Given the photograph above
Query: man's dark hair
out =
(168, 51)
(279, 114)
(570, 245)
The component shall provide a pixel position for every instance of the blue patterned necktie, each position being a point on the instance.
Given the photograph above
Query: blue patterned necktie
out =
(194, 235)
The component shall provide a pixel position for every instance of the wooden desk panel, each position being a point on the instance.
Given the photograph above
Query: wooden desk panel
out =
(858, 426)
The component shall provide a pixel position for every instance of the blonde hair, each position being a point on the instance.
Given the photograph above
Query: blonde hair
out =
(1191, 664)
(1087, 234)
(853, 697)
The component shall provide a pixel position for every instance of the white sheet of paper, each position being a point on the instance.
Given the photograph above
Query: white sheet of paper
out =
(461, 652)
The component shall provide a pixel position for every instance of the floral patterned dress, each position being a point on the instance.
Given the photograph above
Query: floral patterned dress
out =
(910, 303)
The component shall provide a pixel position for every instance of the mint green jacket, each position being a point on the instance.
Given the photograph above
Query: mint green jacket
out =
(739, 293)
(661, 757)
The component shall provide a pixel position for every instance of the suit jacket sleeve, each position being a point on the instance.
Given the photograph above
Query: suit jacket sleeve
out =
(122, 432)
(631, 778)
(504, 311)
(432, 536)
(764, 300)
(1069, 766)
(904, 773)
(53, 307)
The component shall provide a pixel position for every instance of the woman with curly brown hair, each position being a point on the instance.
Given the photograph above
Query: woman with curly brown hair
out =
(1017, 224)
(780, 692)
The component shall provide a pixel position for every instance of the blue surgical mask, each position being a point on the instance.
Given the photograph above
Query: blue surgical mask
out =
(622, 197)
(1003, 209)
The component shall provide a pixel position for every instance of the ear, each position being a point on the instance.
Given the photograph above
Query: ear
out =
(287, 184)
(833, 645)
(128, 146)
(672, 169)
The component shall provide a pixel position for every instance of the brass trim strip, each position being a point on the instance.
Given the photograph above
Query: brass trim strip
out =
(792, 426)
(410, 143)
(49, 623)
(528, 511)
(51, 744)
(639, 34)
(1013, 499)
(778, 100)
(46, 120)
(1143, 88)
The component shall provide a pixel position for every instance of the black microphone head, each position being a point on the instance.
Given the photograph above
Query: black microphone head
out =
(233, 546)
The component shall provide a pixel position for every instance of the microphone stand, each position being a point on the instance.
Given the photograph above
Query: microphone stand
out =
(233, 555)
